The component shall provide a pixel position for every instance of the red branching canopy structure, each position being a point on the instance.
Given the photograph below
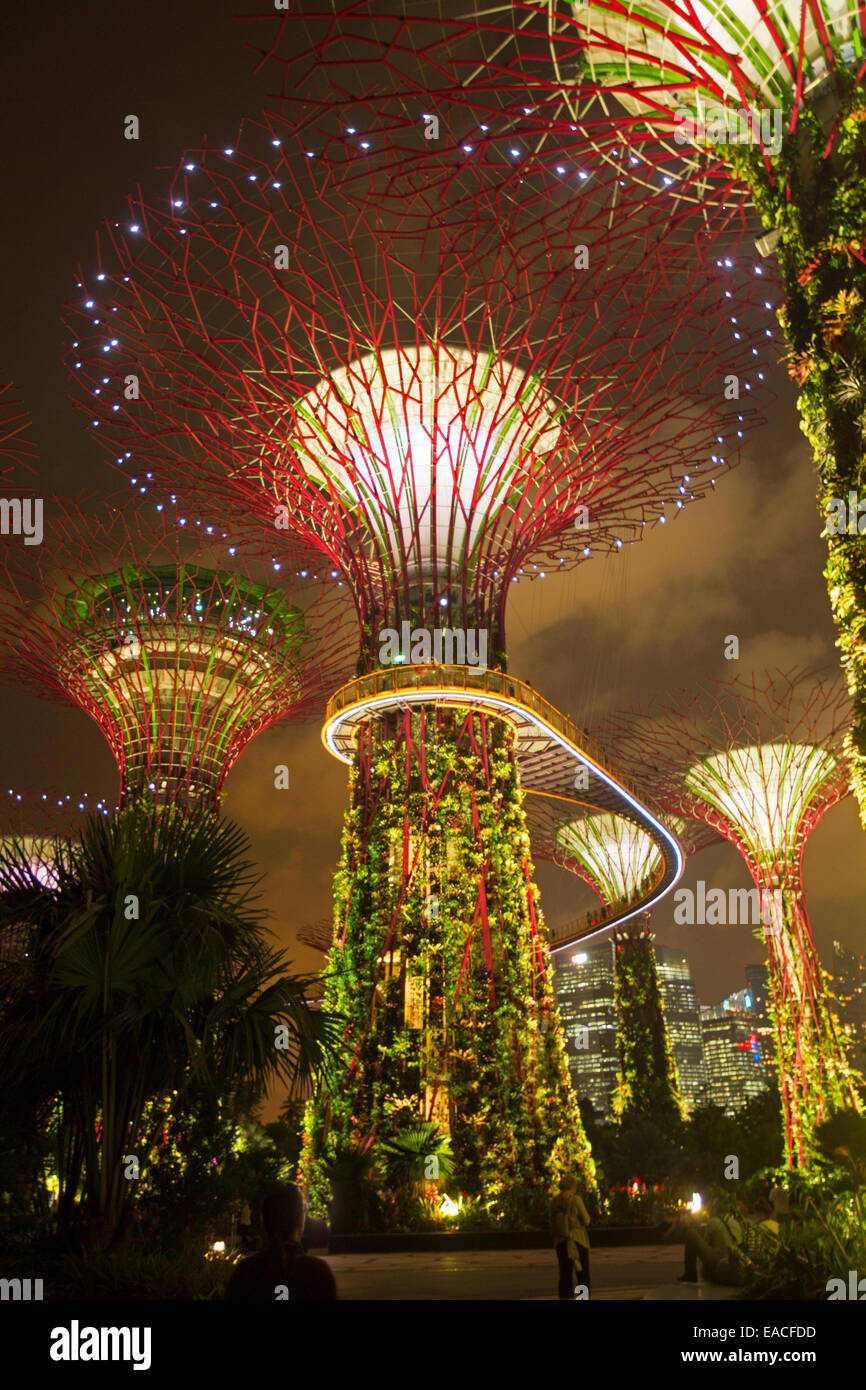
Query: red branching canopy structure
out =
(18, 452)
(759, 761)
(506, 88)
(434, 416)
(735, 100)
(180, 663)
(616, 73)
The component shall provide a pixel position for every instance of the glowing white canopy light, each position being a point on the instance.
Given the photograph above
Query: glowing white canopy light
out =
(617, 853)
(763, 791)
(429, 447)
(618, 46)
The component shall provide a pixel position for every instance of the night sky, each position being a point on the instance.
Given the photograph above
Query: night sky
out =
(746, 561)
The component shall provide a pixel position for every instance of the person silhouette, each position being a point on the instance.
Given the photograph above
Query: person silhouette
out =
(569, 1222)
(282, 1270)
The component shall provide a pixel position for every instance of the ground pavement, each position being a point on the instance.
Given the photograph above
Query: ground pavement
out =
(618, 1272)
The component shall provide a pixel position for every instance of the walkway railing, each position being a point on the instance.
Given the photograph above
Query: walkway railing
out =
(457, 678)
(402, 686)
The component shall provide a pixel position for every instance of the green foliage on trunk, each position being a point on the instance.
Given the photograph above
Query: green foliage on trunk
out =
(818, 205)
(647, 1083)
(437, 967)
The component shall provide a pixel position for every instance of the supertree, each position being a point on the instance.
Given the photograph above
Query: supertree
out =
(648, 1082)
(772, 89)
(179, 663)
(439, 411)
(610, 852)
(760, 760)
(616, 858)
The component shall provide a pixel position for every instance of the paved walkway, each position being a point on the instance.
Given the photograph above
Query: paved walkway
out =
(624, 1273)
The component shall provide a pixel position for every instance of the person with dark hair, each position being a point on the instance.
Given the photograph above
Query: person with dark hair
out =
(282, 1270)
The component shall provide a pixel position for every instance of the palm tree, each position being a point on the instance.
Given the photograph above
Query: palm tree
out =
(143, 970)
(419, 1154)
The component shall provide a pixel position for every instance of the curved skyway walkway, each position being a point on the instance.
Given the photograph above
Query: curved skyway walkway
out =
(552, 752)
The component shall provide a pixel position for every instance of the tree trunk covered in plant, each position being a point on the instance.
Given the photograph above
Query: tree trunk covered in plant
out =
(647, 1083)
(440, 964)
(818, 205)
(815, 1077)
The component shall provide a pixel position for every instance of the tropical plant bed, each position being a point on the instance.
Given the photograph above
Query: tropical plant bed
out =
(385, 1242)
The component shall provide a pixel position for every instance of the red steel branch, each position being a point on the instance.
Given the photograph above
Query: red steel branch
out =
(18, 452)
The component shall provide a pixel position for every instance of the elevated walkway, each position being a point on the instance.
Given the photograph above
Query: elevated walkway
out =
(554, 755)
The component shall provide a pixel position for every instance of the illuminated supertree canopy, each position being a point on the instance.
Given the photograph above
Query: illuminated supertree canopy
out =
(759, 761)
(439, 412)
(616, 854)
(772, 89)
(179, 664)
(482, 90)
(435, 422)
(613, 855)
(646, 60)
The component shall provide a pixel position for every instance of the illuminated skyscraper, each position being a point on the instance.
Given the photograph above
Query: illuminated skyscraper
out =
(587, 1007)
(682, 1012)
